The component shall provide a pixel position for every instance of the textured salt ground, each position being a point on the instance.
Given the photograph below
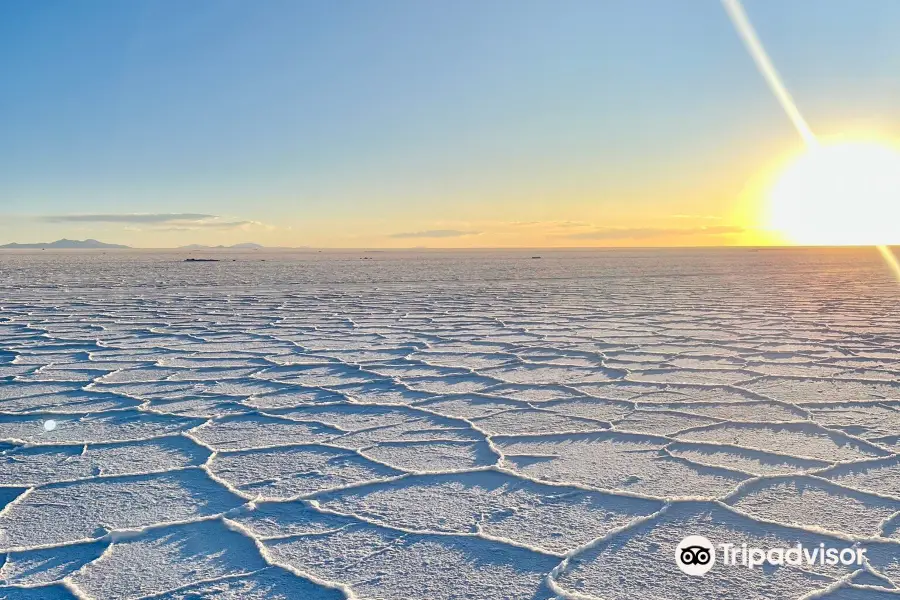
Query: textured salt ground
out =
(809, 502)
(487, 427)
(499, 505)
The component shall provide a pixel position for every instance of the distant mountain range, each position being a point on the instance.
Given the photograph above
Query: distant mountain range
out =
(65, 244)
(93, 244)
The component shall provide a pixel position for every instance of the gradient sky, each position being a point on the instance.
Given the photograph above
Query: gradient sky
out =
(404, 123)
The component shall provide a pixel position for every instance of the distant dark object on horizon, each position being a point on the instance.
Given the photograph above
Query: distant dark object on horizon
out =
(65, 245)
(201, 260)
(535, 257)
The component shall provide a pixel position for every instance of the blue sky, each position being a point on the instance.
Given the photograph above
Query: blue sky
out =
(470, 123)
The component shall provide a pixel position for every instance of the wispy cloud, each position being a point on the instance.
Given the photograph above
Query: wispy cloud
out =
(159, 221)
(550, 224)
(697, 217)
(146, 218)
(640, 233)
(434, 233)
(214, 225)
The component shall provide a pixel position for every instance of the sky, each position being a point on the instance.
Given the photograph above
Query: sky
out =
(401, 123)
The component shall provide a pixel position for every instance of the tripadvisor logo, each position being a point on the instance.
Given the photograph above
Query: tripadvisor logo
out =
(696, 555)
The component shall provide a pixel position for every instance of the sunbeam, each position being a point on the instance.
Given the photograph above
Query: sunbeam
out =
(741, 22)
(745, 29)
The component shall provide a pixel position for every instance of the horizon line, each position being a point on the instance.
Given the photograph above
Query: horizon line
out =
(446, 248)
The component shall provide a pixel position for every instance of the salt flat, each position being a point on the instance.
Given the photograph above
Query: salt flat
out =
(436, 425)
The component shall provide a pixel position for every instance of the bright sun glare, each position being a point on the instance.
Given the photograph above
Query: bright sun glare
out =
(845, 193)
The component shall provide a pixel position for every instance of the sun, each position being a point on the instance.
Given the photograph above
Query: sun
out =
(844, 193)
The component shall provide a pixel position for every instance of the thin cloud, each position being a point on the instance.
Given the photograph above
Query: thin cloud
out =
(571, 224)
(145, 218)
(434, 233)
(552, 224)
(640, 233)
(697, 217)
(159, 221)
(214, 225)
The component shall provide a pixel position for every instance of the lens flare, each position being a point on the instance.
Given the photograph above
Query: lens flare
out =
(748, 35)
(844, 193)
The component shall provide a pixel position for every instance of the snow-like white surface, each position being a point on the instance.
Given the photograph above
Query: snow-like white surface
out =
(444, 426)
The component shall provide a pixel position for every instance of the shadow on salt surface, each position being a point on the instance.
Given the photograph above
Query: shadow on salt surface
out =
(805, 440)
(289, 471)
(532, 393)
(756, 462)
(199, 406)
(367, 425)
(691, 376)
(169, 558)
(860, 593)
(69, 512)
(661, 422)
(811, 502)
(464, 360)
(533, 373)
(37, 465)
(500, 505)
(50, 592)
(243, 432)
(36, 567)
(891, 528)
(226, 361)
(119, 426)
(288, 519)
(868, 420)
(741, 410)
(68, 402)
(630, 462)
(433, 455)
(149, 390)
(401, 369)
(349, 418)
(879, 475)
(327, 376)
(803, 391)
(241, 388)
(82, 375)
(870, 578)
(11, 390)
(8, 372)
(689, 393)
(640, 562)
(7, 495)
(468, 406)
(382, 563)
(382, 393)
(457, 384)
(591, 408)
(366, 353)
(293, 398)
(884, 558)
(528, 420)
(215, 374)
(142, 374)
(272, 583)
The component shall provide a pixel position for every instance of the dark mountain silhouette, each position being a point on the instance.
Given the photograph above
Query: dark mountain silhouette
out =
(66, 244)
